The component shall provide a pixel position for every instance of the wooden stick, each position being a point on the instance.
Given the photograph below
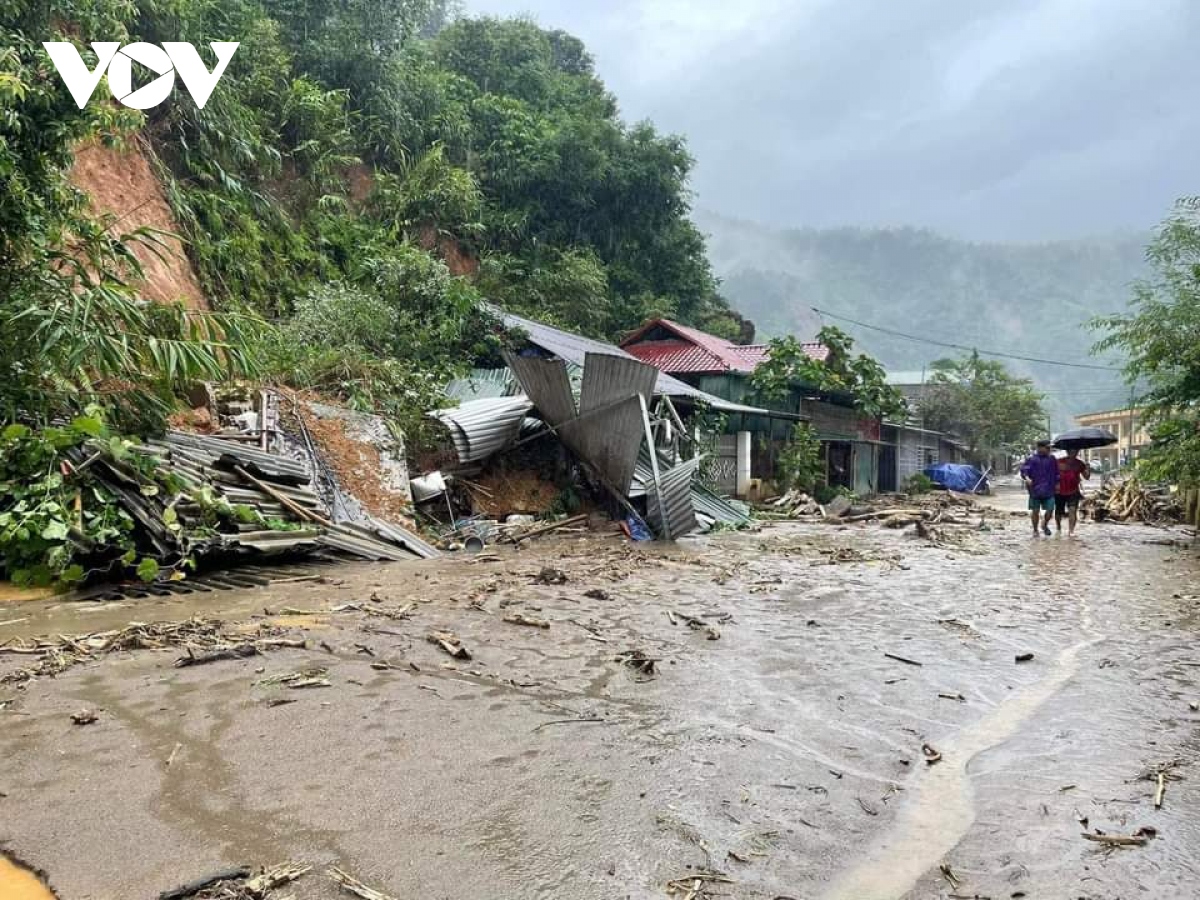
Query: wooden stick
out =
(574, 520)
(286, 502)
(907, 662)
(356, 887)
(1115, 840)
(1162, 789)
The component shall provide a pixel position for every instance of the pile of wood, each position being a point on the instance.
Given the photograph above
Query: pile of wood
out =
(197, 638)
(1131, 500)
(893, 510)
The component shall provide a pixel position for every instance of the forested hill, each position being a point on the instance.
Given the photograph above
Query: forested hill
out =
(361, 177)
(1033, 300)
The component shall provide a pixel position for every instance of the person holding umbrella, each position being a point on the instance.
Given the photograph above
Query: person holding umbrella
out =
(1040, 476)
(1067, 496)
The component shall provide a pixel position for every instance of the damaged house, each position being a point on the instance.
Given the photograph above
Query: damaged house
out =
(634, 427)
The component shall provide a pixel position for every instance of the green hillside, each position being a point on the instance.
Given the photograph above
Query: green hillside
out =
(1032, 300)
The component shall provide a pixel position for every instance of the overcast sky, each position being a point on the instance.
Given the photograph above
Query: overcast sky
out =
(989, 119)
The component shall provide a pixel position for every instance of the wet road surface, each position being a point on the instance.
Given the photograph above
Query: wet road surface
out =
(786, 754)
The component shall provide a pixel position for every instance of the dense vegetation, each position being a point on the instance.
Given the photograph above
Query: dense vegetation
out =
(350, 150)
(984, 404)
(1161, 335)
(856, 376)
(1032, 299)
(365, 175)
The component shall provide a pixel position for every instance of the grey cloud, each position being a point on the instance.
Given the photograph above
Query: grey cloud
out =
(1025, 120)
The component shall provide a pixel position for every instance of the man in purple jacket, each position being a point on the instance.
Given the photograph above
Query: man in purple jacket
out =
(1040, 475)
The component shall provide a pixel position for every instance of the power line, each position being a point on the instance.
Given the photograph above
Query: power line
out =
(963, 347)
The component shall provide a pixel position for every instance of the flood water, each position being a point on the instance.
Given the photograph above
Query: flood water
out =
(786, 754)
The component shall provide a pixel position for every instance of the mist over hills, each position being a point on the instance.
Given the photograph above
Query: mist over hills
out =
(1026, 299)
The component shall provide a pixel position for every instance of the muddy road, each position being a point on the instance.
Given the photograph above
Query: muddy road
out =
(778, 743)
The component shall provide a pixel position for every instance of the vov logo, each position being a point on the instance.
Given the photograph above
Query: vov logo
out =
(173, 57)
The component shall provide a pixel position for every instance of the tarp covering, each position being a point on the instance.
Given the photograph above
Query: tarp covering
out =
(953, 477)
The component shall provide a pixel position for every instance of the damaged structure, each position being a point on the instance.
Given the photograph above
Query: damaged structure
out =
(622, 419)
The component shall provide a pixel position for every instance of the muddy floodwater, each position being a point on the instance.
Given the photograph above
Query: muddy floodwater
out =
(797, 674)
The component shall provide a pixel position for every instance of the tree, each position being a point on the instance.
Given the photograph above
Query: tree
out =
(73, 329)
(1161, 335)
(980, 401)
(859, 376)
(800, 466)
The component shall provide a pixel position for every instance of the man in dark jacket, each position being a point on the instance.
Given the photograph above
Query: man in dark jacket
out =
(1040, 476)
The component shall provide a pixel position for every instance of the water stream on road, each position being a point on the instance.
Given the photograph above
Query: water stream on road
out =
(941, 808)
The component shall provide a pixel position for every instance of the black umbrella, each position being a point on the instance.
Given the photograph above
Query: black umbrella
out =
(1085, 439)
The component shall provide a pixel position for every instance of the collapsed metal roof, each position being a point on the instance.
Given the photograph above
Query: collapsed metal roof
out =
(480, 428)
(574, 348)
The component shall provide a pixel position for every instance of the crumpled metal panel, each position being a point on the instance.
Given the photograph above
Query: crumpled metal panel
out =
(547, 384)
(704, 501)
(609, 378)
(610, 440)
(480, 428)
(607, 430)
(573, 348)
(481, 384)
(680, 514)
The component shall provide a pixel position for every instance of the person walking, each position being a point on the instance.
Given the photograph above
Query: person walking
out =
(1039, 473)
(1068, 496)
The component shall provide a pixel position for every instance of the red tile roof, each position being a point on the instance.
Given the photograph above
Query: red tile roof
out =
(689, 350)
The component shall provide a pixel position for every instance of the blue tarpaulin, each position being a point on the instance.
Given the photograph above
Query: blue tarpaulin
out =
(957, 477)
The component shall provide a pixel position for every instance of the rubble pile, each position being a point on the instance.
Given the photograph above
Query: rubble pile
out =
(1131, 500)
(891, 511)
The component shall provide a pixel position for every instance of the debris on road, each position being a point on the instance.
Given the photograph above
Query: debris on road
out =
(931, 755)
(305, 678)
(260, 885)
(85, 717)
(694, 887)
(1132, 500)
(519, 619)
(450, 643)
(949, 875)
(550, 575)
(638, 661)
(353, 886)
(1024, 657)
(194, 887)
(58, 653)
(695, 624)
(242, 651)
(1137, 839)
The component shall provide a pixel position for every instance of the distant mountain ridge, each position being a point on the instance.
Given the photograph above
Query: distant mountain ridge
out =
(1028, 299)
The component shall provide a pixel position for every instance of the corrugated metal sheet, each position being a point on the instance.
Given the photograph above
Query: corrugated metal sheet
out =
(704, 501)
(608, 378)
(573, 348)
(481, 384)
(717, 508)
(480, 428)
(676, 500)
(611, 438)
(547, 384)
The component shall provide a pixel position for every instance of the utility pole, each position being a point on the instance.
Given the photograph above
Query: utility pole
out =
(1129, 441)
